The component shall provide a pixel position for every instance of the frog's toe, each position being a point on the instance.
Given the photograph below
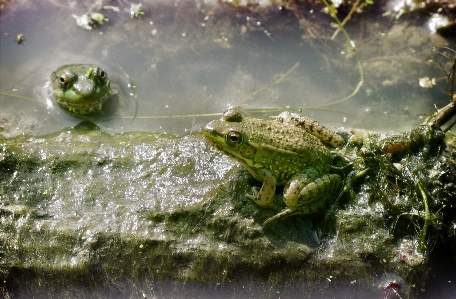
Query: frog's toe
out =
(254, 195)
(258, 200)
(281, 215)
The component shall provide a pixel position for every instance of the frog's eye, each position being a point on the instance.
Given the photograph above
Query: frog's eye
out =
(64, 79)
(233, 138)
(99, 74)
(102, 74)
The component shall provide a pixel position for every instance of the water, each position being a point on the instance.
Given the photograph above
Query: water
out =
(188, 59)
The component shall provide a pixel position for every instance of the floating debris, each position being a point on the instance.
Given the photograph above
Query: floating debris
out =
(88, 21)
(20, 38)
(114, 8)
(135, 10)
(427, 82)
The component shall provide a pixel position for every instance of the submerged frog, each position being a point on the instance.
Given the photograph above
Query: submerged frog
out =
(80, 89)
(287, 150)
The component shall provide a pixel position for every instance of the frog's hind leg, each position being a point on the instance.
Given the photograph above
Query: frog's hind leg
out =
(310, 198)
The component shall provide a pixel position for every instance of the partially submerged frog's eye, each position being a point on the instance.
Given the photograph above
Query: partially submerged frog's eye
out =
(97, 73)
(233, 138)
(64, 79)
(101, 74)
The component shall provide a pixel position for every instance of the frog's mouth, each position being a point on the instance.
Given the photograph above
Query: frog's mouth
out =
(211, 134)
(83, 107)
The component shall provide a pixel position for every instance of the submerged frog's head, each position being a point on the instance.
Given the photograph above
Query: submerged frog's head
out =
(230, 136)
(80, 88)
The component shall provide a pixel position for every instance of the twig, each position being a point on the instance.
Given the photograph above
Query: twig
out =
(341, 25)
(423, 234)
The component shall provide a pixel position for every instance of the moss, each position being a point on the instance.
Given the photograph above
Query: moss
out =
(81, 222)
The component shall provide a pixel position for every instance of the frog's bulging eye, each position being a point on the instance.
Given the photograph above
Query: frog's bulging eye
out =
(99, 74)
(233, 138)
(64, 79)
(102, 75)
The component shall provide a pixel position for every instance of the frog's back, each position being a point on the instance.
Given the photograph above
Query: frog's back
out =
(286, 150)
(284, 137)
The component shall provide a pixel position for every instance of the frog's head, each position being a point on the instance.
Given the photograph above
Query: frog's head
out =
(80, 88)
(229, 135)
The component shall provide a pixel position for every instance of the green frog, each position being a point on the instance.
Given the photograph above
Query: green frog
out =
(289, 150)
(80, 89)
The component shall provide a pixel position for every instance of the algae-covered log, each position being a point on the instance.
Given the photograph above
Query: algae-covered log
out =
(81, 203)
(81, 207)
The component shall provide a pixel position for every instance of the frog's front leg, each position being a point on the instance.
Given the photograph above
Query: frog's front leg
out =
(264, 197)
(302, 197)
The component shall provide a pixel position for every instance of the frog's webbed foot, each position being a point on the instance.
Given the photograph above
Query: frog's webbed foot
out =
(263, 202)
(254, 195)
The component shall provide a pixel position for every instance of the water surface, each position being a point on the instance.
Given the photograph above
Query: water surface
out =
(190, 58)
